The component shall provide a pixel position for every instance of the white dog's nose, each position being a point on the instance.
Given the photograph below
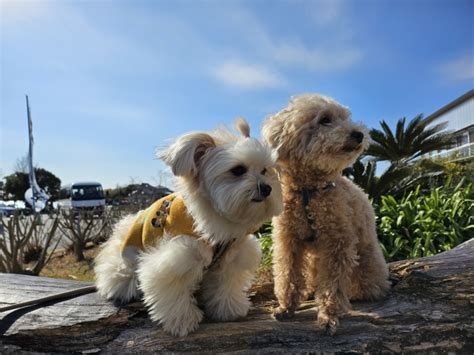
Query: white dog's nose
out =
(264, 189)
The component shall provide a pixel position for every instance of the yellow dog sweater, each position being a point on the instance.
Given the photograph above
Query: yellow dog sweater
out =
(167, 215)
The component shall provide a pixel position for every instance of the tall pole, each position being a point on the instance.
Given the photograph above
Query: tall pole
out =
(30, 156)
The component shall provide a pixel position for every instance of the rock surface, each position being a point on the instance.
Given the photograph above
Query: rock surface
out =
(429, 309)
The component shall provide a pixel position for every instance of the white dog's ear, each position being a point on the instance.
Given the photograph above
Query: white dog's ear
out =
(184, 156)
(242, 126)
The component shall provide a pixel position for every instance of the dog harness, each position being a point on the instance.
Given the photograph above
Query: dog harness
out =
(306, 195)
(169, 216)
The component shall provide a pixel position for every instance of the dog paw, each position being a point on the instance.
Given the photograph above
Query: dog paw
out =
(282, 314)
(228, 309)
(327, 323)
(180, 325)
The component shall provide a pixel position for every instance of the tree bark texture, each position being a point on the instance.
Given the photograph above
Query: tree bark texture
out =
(430, 308)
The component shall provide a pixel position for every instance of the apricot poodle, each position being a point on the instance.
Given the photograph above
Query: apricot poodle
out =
(325, 240)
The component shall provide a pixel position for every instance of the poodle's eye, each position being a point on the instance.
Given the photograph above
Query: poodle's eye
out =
(325, 121)
(238, 170)
(264, 171)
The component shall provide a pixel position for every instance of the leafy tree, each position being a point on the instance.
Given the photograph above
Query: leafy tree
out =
(17, 183)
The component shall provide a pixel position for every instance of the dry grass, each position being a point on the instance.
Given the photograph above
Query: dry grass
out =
(264, 275)
(63, 265)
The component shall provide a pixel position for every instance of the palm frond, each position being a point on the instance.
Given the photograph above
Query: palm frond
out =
(400, 132)
(410, 140)
(414, 125)
(389, 137)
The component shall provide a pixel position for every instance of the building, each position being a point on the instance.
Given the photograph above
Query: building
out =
(460, 117)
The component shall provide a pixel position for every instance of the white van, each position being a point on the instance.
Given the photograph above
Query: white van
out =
(84, 196)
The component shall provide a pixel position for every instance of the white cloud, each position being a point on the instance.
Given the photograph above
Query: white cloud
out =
(247, 76)
(277, 55)
(326, 12)
(322, 60)
(458, 69)
(334, 52)
(22, 12)
(82, 46)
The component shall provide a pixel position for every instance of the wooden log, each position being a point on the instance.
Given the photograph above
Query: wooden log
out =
(429, 309)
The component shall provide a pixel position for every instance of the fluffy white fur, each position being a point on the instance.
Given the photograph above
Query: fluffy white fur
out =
(225, 207)
(115, 276)
(224, 288)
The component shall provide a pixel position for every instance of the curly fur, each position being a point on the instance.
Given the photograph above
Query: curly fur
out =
(315, 140)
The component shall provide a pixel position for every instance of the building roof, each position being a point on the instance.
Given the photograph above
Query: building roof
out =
(453, 104)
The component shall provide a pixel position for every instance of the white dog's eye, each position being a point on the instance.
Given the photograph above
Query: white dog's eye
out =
(238, 170)
(264, 171)
(325, 121)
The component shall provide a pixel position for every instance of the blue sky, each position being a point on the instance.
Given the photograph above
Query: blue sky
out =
(110, 81)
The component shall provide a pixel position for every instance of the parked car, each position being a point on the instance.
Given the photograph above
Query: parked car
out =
(6, 210)
(10, 208)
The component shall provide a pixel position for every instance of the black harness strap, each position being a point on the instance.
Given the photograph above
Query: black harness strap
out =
(306, 195)
(219, 251)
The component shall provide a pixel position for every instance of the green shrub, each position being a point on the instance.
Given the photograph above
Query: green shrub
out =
(264, 236)
(419, 224)
(422, 225)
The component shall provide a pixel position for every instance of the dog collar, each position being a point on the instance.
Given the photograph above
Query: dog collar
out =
(307, 194)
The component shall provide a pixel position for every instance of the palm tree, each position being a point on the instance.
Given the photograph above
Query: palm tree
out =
(407, 143)
(400, 148)
(395, 180)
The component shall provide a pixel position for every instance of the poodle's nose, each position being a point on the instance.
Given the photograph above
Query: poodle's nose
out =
(358, 136)
(265, 189)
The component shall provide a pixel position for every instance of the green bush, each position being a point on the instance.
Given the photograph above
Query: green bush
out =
(422, 225)
(264, 236)
(419, 224)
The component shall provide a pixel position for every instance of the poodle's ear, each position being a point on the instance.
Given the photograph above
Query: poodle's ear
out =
(272, 132)
(185, 155)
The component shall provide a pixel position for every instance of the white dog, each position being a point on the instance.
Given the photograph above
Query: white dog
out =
(197, 241)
